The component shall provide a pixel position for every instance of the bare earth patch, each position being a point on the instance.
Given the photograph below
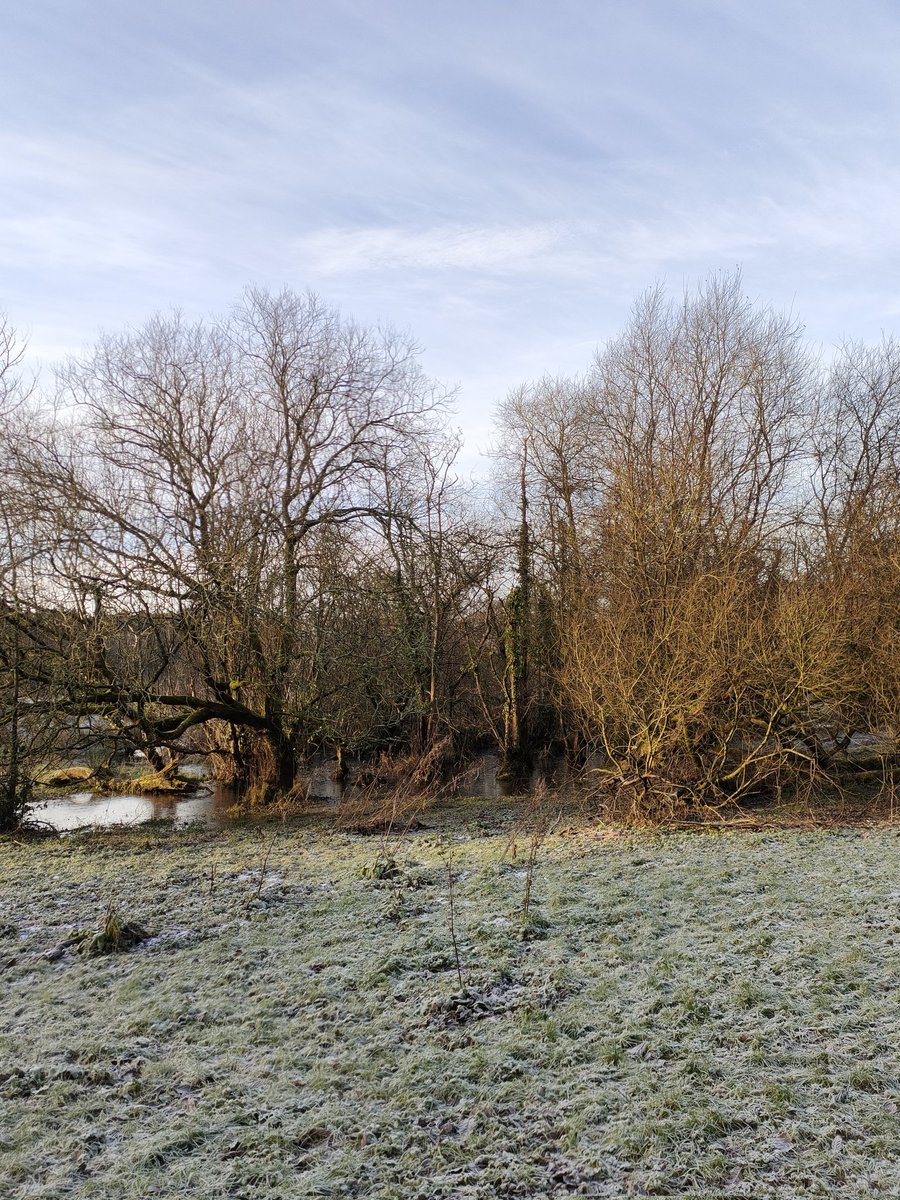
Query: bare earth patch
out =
(696, 1015)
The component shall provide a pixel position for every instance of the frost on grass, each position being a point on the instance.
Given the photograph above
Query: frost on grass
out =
(703, 1016)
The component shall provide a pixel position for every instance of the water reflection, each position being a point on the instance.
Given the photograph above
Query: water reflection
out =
(82, 809)
(208, 805)
(484, 779)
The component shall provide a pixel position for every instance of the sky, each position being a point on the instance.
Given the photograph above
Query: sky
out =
(501, 179)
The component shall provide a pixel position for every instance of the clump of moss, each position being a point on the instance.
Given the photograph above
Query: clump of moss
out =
(63, 777)
(157, 783)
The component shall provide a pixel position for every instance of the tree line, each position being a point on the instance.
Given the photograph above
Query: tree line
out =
(246, 538)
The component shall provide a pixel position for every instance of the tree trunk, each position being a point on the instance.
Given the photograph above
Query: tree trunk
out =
(516, 748)
(286, 764)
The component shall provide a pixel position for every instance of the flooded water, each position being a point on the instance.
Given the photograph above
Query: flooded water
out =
(209, 804)
(80, 809)
(486, 780)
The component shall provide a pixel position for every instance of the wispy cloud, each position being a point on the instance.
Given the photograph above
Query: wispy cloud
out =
(501, 187)
(492, 249)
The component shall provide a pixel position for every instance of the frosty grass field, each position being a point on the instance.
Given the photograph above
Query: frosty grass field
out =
(695, 1015)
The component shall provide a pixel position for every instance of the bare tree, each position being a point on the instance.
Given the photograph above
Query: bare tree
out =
(854, 550)
(247, 536)
(204, 471)
(437, 555)
(697, 417)
(25, 730)
(557, 419)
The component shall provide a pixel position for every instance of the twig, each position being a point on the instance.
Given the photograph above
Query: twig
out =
(453, 917)
(262, 870)
(536, 839)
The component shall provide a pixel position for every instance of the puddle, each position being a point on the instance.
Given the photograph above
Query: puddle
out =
(80, 809)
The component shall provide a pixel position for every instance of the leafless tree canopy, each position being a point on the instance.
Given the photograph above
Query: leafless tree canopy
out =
(247, 537)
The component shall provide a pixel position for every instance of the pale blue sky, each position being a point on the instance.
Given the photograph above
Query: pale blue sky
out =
(500, 178)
